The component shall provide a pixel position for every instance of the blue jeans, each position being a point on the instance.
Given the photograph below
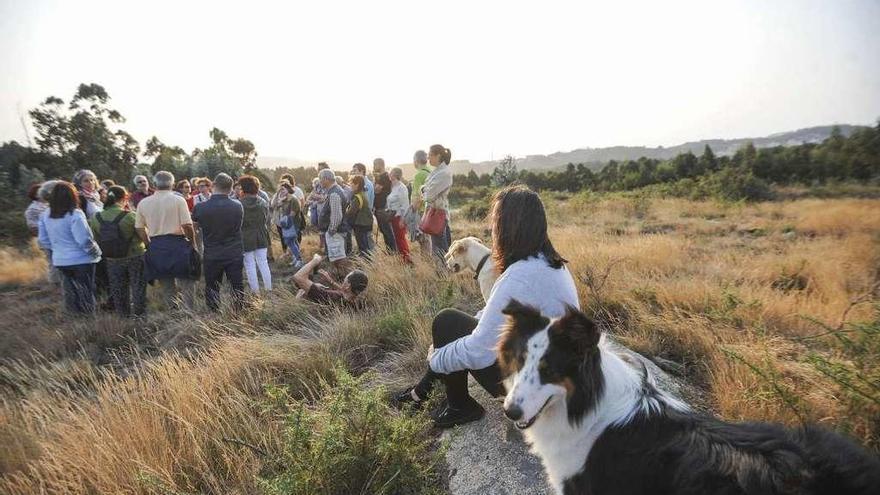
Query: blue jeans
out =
(293, 245)
(362, 236)
(79, 287)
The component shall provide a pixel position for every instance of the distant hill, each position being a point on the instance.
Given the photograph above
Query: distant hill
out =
(598, 157)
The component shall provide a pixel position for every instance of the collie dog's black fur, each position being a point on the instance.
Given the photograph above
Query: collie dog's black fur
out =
(601, 426)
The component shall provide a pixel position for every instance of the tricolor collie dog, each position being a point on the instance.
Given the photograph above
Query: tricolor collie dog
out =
(470, 252)
(601, 426)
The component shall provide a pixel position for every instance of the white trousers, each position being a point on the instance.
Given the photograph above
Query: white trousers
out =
(253, 260)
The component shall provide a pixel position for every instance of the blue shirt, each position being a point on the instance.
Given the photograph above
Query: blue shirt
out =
(220, 220)
(370, 190)
(69, 238)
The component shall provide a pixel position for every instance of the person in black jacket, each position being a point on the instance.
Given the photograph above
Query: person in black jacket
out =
(220, 219)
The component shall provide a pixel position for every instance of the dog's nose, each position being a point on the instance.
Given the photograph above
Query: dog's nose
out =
(513, 413)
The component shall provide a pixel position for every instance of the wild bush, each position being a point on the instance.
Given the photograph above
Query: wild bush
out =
(351, 441)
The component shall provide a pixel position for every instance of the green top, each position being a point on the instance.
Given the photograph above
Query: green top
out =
(418, 182)
(358, 213)
(126, 226)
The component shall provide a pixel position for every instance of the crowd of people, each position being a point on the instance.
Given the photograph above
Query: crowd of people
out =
(103, 239)
(106, 243)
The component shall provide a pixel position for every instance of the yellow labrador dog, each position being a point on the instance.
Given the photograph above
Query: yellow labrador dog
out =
(470, 252)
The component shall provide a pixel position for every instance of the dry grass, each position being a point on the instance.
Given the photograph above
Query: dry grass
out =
(22, 267)
(172, 404)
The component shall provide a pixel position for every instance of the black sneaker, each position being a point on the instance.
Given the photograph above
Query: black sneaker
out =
(404, 398)
(449, 416)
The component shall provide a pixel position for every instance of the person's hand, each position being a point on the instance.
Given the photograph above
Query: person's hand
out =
(430, 353)
(325, 274)
(317, 258)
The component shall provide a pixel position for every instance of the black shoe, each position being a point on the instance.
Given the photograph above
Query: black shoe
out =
(449, 416)
(404, 398)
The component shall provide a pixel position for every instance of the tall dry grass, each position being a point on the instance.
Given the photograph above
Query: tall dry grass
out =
(19, 267)
(173, 403)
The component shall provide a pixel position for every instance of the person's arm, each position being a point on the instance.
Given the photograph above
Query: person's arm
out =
(436, 184)
(335, 214)
(82, 235)
(477, 350)
(301, 278)
(140, 227)
(43, 235)
(189, 232)
(329, 278)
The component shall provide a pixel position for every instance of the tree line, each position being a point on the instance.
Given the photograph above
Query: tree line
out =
(747, 174)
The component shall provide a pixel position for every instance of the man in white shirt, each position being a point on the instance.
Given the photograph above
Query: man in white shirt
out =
(163, 222)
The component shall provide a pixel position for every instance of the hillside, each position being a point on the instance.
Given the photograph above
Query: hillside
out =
(598, 157)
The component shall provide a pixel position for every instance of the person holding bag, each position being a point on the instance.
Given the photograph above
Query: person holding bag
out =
(435, 193)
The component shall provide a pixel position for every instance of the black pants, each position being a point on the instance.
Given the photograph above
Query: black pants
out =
(388, 234)
(128, 289)
(214, 271)
(448, 326)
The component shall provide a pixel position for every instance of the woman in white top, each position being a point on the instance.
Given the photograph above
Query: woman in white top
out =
(531, 271)
(435, 192)
(398, 202)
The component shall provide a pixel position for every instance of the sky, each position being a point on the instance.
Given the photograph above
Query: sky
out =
(349, 81)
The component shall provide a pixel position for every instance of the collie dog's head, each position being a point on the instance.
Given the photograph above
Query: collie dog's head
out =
(549, 364)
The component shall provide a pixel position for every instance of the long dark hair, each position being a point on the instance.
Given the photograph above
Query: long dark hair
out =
(357, 183)
(62, 200)
(444, 153)
(519, 229)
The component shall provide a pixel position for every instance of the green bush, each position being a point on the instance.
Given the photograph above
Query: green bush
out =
(476, 210)
(735, 184)
(351, 441)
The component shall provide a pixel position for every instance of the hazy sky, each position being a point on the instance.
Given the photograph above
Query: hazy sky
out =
(353, 80)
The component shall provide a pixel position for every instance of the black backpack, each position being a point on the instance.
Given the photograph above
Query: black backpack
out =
(110, 239)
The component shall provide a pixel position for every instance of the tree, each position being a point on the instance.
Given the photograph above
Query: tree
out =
(85, 134)
(244, 153)
(505, 173)
(708, 162)
(169, 158)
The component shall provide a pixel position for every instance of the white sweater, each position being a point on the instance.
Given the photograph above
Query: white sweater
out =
(531, 281)
(398, 199)
(436, 189)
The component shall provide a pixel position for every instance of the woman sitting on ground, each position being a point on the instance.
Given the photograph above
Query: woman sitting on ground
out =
(64, 231)
(531, 271)
(124, 253)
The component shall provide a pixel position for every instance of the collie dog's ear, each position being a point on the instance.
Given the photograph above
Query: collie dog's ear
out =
(578, 329)
(524, 317)
(522, 322)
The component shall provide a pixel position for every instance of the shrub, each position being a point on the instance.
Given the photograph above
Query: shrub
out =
(351, 441)
(735, 184)
(476, 210)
